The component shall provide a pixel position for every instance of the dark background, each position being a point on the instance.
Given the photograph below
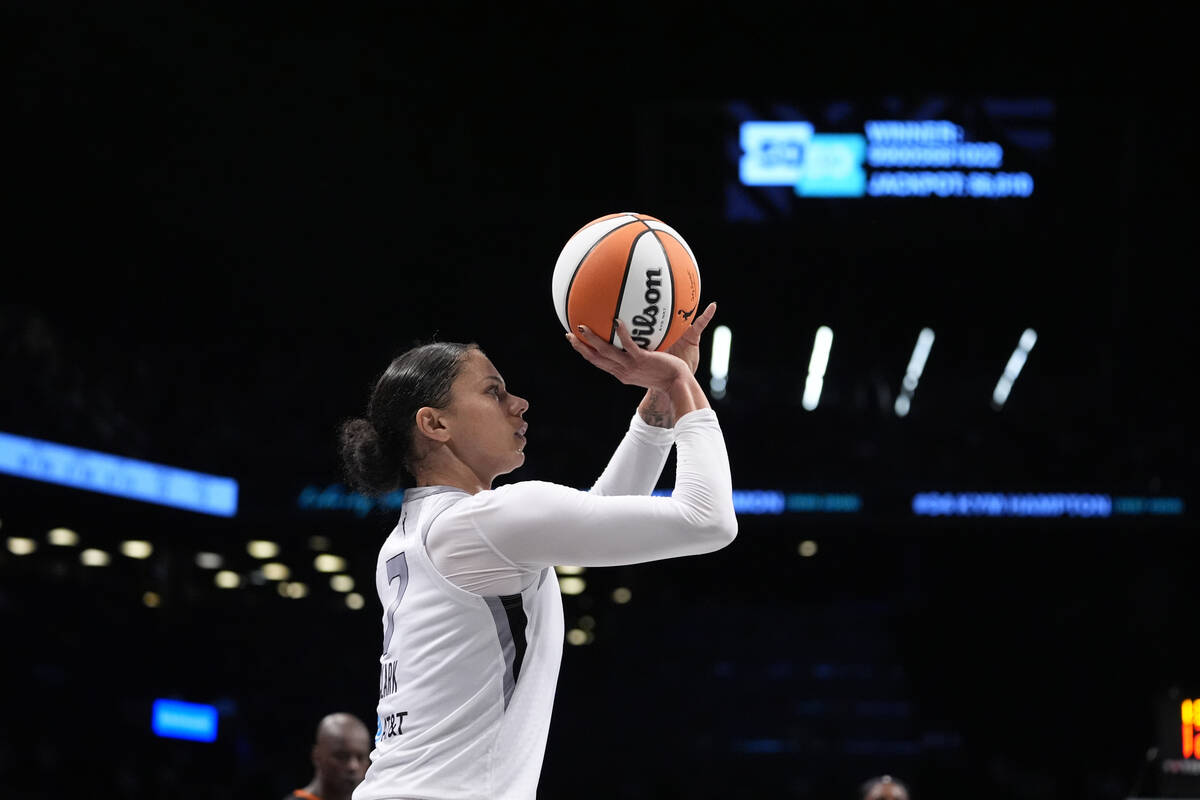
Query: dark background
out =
(221, 225)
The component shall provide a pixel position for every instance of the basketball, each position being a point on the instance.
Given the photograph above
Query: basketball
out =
(631, 266)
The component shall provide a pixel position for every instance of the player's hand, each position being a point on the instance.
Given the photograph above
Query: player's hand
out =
(633, 365)
(687, 346)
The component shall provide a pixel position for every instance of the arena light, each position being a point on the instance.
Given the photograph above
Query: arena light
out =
(1013, 368)
(297, 590)
(92, 557)
(327, 562)
(261, 548)
(912, 373)
(62, 537)
(341, 583)
(206, 560)
(175, 719)
(572, 585)
(807, 548)
(719, 366)
(569, 570)
(118, 476)
(136, 548)
(318, 543)
(577, 636)
(225, 579)
(151, 600)
(621, 595)
(274, 571)
(20, 546)
(355, 601)
(822, 343)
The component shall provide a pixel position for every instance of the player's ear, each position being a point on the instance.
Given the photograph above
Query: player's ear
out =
(431, 425)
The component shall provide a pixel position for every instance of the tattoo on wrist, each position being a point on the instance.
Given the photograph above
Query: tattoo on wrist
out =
(656, 410)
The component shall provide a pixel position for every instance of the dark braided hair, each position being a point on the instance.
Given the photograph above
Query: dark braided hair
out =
(377, 450)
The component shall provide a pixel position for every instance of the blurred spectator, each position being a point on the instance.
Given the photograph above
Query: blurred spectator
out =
(340, 756)
(885, 787)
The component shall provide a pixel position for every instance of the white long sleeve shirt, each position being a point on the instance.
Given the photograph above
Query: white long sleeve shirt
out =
(473, 622)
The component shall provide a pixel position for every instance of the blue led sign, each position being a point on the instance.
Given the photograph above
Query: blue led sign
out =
(175, 719)
(117, 476)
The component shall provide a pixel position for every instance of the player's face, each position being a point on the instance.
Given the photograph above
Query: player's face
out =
(486, 422)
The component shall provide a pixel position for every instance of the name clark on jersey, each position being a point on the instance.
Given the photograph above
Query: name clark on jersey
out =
(390, 725)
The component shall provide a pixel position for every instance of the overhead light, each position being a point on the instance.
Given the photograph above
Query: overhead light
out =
(227, 579)
(719, 366)
(327, 562)
(151, 600)
(274, 571)
(92, 557)
(20, 546)
(1013, 368)
(822, 343)
(318, 542)
(63, 537)
(912, 374)
(355, 600)
(569, 570)
(808, 548)
(297, 590)
(621, 595)
(577, 636)
(206, 560)
(135, 548)
(260, 548)
(572, 585)
(341, 583)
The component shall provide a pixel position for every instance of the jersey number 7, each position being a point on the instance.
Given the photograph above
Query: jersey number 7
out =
(397, 567)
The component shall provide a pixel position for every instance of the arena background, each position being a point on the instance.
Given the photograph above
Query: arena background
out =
(221, 227)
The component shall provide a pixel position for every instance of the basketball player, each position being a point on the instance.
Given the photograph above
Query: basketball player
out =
(472, 615)
(339, 756)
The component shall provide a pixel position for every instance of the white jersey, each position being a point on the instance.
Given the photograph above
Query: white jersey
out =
(468, 675)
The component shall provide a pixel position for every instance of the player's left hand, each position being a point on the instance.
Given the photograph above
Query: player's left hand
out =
(687, 346)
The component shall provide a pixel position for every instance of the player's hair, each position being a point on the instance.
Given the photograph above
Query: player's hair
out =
(377, 450)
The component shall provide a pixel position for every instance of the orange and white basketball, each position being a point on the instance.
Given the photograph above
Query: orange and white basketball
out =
(631, 266)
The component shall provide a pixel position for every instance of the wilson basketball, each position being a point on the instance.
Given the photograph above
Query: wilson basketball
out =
(631, 266)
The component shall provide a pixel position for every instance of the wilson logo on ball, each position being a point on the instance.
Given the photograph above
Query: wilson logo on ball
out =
(629, 266)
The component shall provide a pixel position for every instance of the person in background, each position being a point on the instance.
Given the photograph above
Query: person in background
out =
(884, 787)
(339, 756)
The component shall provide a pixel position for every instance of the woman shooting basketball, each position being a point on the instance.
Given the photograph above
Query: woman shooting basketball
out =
(473, 620)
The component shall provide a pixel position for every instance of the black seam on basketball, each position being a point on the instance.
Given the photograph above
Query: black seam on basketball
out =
(625, 279)
(578, 264)
(671, 275)
(690, 317)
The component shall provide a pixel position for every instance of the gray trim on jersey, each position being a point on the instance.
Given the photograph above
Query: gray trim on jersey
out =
(428, 491)
(507, 645)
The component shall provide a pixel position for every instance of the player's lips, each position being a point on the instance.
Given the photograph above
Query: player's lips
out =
(521, 430)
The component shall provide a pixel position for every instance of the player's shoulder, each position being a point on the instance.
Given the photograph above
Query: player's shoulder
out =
(520, 492)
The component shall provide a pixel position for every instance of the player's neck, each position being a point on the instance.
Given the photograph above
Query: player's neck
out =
(442, 468)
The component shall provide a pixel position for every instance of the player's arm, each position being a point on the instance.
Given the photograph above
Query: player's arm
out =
(534, 524)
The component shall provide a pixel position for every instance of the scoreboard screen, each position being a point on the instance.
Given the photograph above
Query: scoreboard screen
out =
(926, 149)
(1179, 743)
